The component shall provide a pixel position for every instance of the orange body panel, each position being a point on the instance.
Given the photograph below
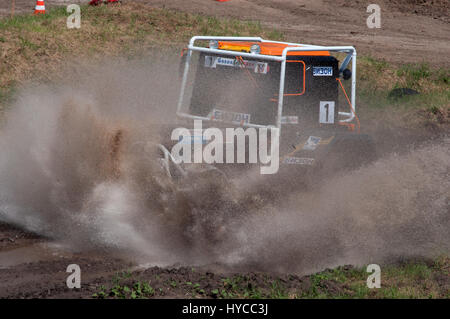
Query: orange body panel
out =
(267, 48)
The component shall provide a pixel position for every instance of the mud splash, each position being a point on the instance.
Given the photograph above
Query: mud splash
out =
(72, 170)
(397, 207)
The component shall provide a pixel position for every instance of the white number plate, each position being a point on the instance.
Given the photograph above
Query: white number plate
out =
(322, 71)
(326, 114)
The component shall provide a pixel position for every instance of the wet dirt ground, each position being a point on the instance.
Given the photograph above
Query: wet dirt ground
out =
(32, 266)
(38, 270)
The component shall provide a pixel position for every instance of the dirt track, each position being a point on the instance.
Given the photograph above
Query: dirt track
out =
(411, 31)
(405, 36)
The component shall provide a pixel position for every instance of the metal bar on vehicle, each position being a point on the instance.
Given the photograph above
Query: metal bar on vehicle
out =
(351, 50)
(353, 85)
(192, 47)
(236, 53)
(351, 115)
(207, 37)
(184, 80)
(324, 48)
(281, 92)
(298, 48)
(345, 63)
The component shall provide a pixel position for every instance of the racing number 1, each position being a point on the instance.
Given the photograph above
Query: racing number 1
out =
(326, 114)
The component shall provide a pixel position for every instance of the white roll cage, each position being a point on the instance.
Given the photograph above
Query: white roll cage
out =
(351, 55)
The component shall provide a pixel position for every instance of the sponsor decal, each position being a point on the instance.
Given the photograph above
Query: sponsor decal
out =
(322, 71)
(298, 160)
(311, 143)
(230, 117)
(261, 67)
(257, 67)
(289, 120)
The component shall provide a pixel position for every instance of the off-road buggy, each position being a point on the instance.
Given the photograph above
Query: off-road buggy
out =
(249, 82)
(296, 88)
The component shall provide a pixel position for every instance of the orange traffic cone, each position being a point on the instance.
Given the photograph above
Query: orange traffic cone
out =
(40, 7)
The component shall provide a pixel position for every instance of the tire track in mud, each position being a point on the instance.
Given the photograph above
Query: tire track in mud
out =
(410, 31)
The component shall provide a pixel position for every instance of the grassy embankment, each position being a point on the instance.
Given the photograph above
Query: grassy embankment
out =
(410, 279)
(37, 47)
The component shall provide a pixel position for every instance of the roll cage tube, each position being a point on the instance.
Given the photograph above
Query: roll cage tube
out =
(351, 55)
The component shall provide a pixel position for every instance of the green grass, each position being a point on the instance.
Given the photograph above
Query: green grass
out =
(377, 78)
(409, 279)
(136, 290)
(414, 73)
(30, 21)
(139, 290)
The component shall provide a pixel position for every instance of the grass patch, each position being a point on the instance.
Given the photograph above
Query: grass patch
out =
(33, 42)
(377, 78)
(409, 279)
(414, 279)
(31, 21)
(414, 73)
(139, 290)
(37, 46)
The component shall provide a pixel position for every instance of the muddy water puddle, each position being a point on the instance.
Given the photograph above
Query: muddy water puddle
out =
(32, 253)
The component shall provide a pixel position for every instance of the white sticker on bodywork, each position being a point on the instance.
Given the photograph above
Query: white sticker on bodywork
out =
(322, 71)
(289, 119)
(261, 67)
(326, 112)
(257, 67)
(299, 160)
(311, 143)
(231, 117)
